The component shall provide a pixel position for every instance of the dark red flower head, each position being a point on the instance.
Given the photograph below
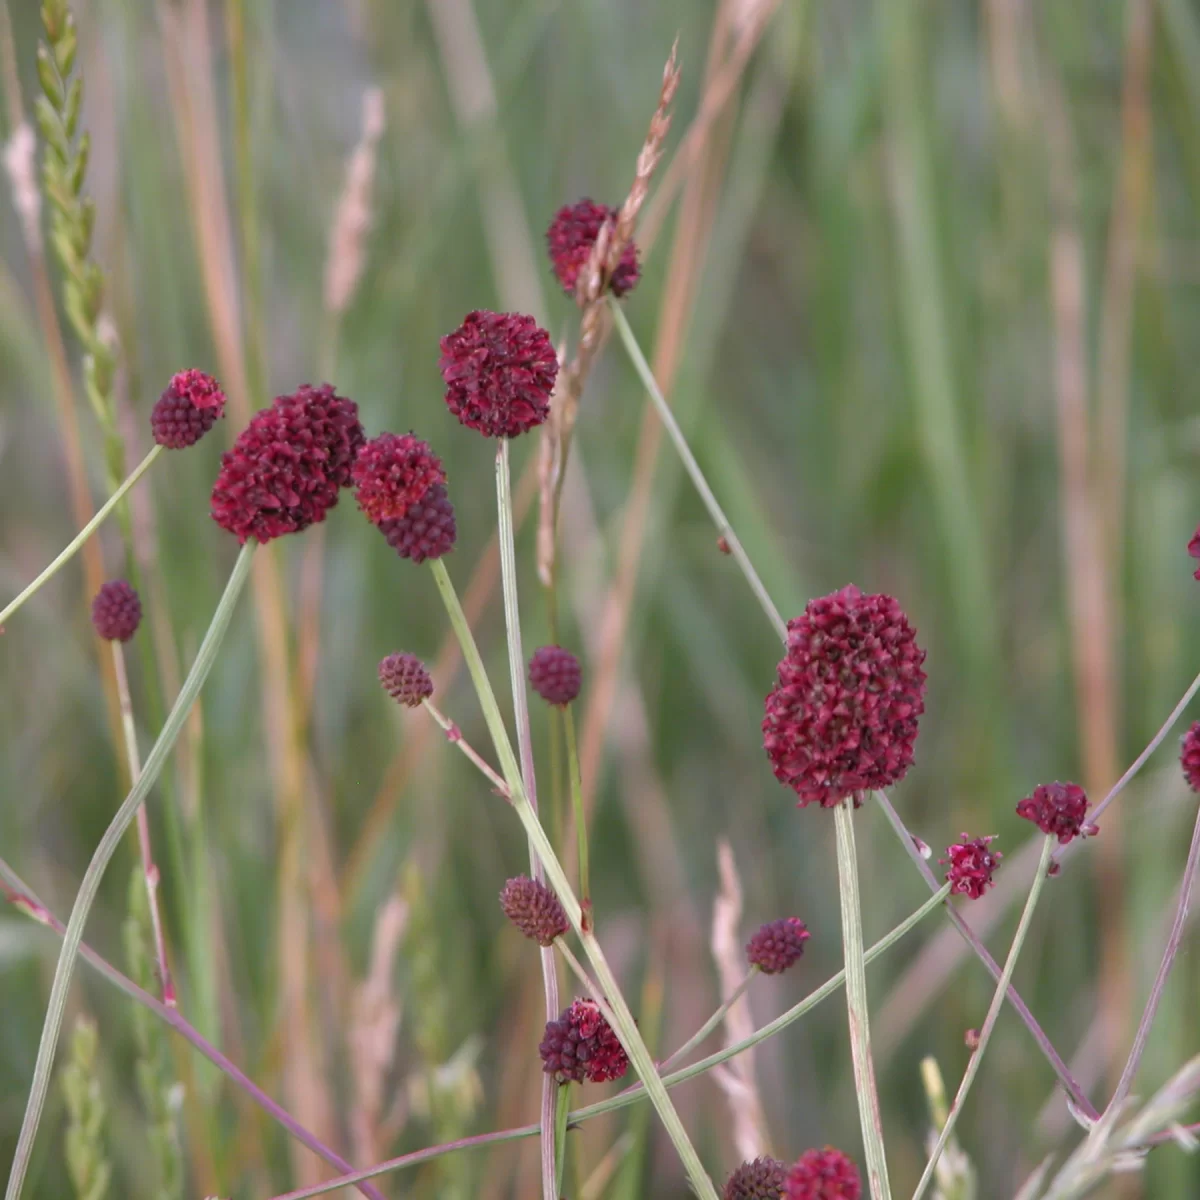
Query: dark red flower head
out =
(534, 909)
(822, 1175)
(285, 469)
(1058, 808)
(842, 716)
(581, 1045)
(116, 611)
(777, 945)
(555, 675)
(499, 370)
(1194, 550)
(1189, 757)
(571, 236)
(761, 1179)
(972, 865)
(427, 530)
(187, 410)
(405, 679)
(392, 473)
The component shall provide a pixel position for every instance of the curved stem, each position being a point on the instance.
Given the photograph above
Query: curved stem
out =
(454, 734)
(712, 1021)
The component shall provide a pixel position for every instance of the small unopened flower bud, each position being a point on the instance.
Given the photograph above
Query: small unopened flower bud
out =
(761, 1179)
(534, 909)
(555, 675)
(116, 611)
(405, 679)
(777, 945)
(192, 403)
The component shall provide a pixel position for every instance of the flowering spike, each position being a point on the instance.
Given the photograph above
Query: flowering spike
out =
(777, 945)
(1058, 808)
(405, 679)
(534, 909)
(116, 611)
(972, 865)
(427, 530)
(192, 403)
(823, 1175)
(392, 473)
(761, 1179)
(570, 238)
(555, 675)
(1189, 757)
(580, 1045)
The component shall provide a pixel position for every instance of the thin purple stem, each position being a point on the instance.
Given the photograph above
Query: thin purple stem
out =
(20, 896)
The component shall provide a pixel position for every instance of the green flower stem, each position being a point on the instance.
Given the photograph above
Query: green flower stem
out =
(634, 1094)
(576, 784)
(693, 468)
(623, 1023)
(100, 859)
(82, 536)
(856, 1004)
(993, 1013)
(712, 1021)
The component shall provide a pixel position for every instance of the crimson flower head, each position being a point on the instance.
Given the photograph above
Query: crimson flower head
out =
(392, 473)
(581, 1045)
(761, 1179)
(972, 865)
(405, 679)
(571, 236)
(427, 529)
(1189, 757)
(777, 945)
(499, 370)
(1058, 808)
(116, 611)
(534, 909)
(842, 716)
(555, 675)
(1194, 550)
(286, 467)
(822, 1175)
(192, 403)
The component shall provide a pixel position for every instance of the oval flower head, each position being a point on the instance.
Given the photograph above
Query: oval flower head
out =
(972, 865)
(761, 1179)
(842, 716)
(188, 408)
(570, 239)
(823, 1175)
(1059, 809)
(581, 1045)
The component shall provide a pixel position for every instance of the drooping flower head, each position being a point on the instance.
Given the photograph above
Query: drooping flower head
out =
(571, 236)
(116, 611)
(405, 679)
(555, 675)
(972, 865)
(580, 1045)
(392, 473)
(1060, 809)
(427, 529)
(192, 403)
(286, 467)
(823, 1175)
(777, 945)
(499, 370)
(1189, 757)
(761, 1179)
(534, 909)
(1194, 550)
(842, 716)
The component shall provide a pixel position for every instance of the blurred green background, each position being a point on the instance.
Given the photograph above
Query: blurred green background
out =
(925, 294)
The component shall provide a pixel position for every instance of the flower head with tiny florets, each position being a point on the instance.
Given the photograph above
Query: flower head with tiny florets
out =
(1194, 550)
(1058, 809)
(761, 1179)
(842, 716)
(777, 945)
(822, 1175)
(189, 407)
(580, 1045)
(499, 370)
(116, 611)
(427, 530)
(570, 238)
(534, 909)
(972, 865)
(392, 473)
(405, 679)
(555, 675)
(1189, 757)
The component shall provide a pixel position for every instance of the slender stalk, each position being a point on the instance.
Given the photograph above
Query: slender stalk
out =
(856, 1003)
(149, 867)
(623, 1023)
(20, 896)
(993, 1013)
(693, 469)
(100, 859)
(581, 974)
(82, 536)
(712, 1021)
(454, 735)
(576, 784)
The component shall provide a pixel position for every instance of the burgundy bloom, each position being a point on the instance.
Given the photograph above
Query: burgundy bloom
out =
(1058, 808)
(822, 1175)
(187, 410)
(405, 679)
(761, 1179)
(1194, 550)
(534, 909)
(777, 945)
(555, 675)
(116, 611)
(842, 716)
(581, 1045)
(499, 370)
(571, 236)
(972, 865)
(427, 530)
(1189, 757)
(285, 469)
(392, 473)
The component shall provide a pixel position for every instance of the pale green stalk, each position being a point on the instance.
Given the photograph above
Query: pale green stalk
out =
(580, 972)
(856, 1004)
(712, 1021)
(72, 547)
(993, 1012)
(581, 831)
(100, 860)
